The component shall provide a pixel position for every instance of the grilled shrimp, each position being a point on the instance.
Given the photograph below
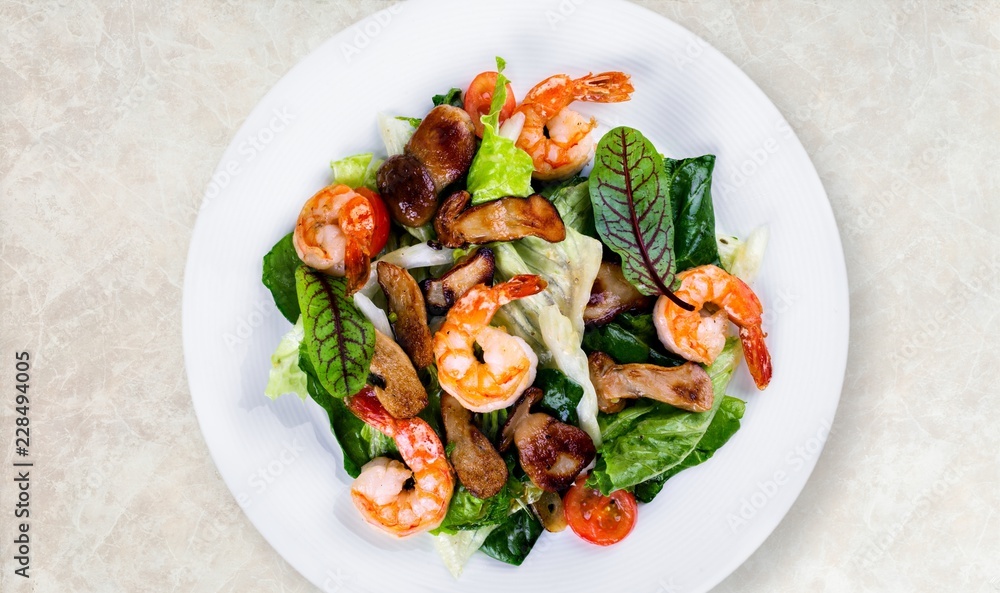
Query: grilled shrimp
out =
(568, 145)
(334, 233)
(700, 335)
(508, 363)
(379, 492)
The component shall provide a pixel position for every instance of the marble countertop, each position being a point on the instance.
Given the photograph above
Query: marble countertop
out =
(114, 116)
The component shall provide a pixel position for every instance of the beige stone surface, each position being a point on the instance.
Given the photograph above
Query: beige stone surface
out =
(114, 115)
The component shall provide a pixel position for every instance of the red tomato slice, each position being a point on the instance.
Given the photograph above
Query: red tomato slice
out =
(598, 519)
(381, 233)
(480, 94)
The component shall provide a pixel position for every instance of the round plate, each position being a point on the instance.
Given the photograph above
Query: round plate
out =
(280, 459)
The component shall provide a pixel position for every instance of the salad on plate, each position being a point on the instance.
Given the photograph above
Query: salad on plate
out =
(502, 345)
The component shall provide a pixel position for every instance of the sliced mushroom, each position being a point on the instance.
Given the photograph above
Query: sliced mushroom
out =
(444, 143)
(505, 219)
(396, 383)
(612, 294)
(517, 414)
(479, 467)
(550, 511)
(552, 453)
(687, 386)
(406, 302)
(408, 190)
(475, 268)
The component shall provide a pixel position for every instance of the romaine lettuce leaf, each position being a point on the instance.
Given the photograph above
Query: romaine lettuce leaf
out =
(285, 375)
(563, 342)
(457, 548)
(500, 168)
(724, 425)
(650, 438)
(395, 133)
(743, 258)
(574, 206)
(356, 171)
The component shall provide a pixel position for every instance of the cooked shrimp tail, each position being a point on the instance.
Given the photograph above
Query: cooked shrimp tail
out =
(507, 365)
(558, 138)
(380, 492)
(700, 335)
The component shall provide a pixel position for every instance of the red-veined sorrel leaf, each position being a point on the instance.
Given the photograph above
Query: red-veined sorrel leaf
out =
(630, 191)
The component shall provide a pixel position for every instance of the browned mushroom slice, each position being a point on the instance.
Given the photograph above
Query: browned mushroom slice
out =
(612, 294)
(687, 386)
(408, 190)
(549, 508)
(475, 268)
(406, 302)
(396, 383)
(518, 413)
(505, 219)
(444, 142)
(552, 453)
(479, 467)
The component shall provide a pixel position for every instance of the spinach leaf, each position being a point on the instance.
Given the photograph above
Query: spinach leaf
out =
(561, 395)
(466, 511)
(694, 216)
(513, 540)
(453, 97)
(279, 276)
(360, 443)
(630, 193)
(649, 438)
(340, 340)
(724, 425)
(630, 338)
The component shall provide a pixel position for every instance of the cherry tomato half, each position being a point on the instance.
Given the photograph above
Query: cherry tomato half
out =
(381, 215)
(598, 519)
(479, 96)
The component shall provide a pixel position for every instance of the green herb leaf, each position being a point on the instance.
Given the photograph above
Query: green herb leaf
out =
(339, 339)
(694, 216)
(630, 192)
(630, 338)
(724, 425)
(359, 442)
(279, 276)
(452, 97)
(560, 395)
(513, 540)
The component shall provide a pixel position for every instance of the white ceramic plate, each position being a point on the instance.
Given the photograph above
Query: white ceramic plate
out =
(280, 460)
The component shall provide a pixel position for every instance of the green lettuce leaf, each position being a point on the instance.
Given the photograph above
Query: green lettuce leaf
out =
(339, 339)
(453, 97)
(561, 395)
(694, 216)
(360, 442)
(563, 342)
(724, 425)
(395, 133)
(455, 549)
(743, 258)
(467, 512)
(500, 168)
(512, 541)
(285, 375)
(279, 276)
(574, 206)
(630, 338)
(649, 437)
(630, 192)
(356, 171)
